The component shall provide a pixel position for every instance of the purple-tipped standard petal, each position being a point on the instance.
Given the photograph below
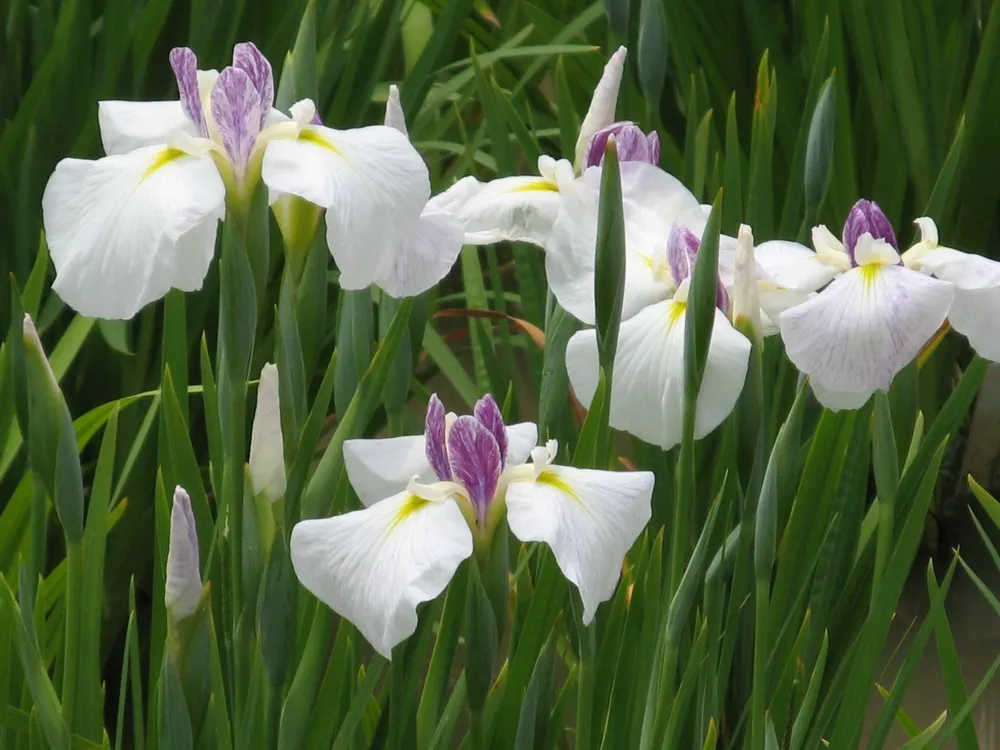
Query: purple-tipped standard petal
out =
(488, 413)
(248, 58)
(185, 66)
(237, 108)
(633, 144)
(682, 247)
(434, 437)
(867, 216)
(475, 461)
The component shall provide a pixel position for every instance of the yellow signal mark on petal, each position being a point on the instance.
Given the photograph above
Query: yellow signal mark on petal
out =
(558, 483)
(163, 158)
(411, 505)
(535, 185)
(311, 136)
(675, 312)
(869, 272)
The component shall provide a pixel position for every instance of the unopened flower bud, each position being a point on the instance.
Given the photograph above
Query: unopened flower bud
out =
(867, 217)
(182, 592)
(267, 453)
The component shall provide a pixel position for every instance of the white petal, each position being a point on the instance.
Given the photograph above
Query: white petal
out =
(976, 308)
(124, 229)
(267, 454)
(452, 199)
(652, 201)
(794, 266)
(647, 395)
(838, 400)
(510, 209)
(854, 336)
(126, 126)
(374, 566)
(372, 182)
(603, 104)
(380, 467)
(521, 439)
(589, 518)
(425, 257)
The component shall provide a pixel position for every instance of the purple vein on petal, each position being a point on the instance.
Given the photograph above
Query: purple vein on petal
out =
(248, 58)
(475, 460)
(236, 108)
(488, 414)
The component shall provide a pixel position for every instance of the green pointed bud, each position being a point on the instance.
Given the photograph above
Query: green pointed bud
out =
(51, 438)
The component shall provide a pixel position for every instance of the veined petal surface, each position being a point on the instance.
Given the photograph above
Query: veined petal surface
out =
(380, 467)
(647, 395)
(425, 256)
(855, 335)
(372, 182)
(374, 566)
(588, 518)
(509, 209)
(124, 229)
(794, 266)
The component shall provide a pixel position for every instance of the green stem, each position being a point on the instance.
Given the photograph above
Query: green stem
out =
(397, 689)
(585, 687)
(477, 735)
(682, 513)
(883, 543)
(74, 614)
(760, 650)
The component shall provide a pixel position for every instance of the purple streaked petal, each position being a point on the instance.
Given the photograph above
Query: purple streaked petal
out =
(867, 216)
(237, 110)
(722, 297)
(633, 144)
(185, 67)
(475, 460)
(316, 119)
(653, 141)
(434, 435)
(488, 413)
(682, 247)
(248, 58)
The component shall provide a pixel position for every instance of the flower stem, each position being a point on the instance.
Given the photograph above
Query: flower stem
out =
(585, 687)
(758, 702)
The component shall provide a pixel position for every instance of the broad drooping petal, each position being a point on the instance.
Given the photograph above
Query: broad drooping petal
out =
(125, 229)
(267, 456)
(854, 336)
(374, 566)
(647, 393)
(976, 308)
(653, 202)
(373, 184)
(512, 209)
(603, 104)
(380, 467)
(182, 586)
(126, 126)
(588, 518)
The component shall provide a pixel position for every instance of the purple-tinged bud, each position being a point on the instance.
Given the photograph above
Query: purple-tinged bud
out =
(435, 430)
(682, 247)
(867, 217)
(183, 586)
(633, 144)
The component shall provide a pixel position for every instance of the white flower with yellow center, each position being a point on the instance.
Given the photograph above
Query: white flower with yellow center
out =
(430, 499)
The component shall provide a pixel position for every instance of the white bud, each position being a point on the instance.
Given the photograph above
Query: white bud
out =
(183, 585)
(745, 299)
(394, 117)
(267, 450)
(601, 112)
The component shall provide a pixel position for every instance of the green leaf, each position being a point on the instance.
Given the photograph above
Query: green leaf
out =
(609, 264)
(819, 148)
(173, 724)
(652, 57)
